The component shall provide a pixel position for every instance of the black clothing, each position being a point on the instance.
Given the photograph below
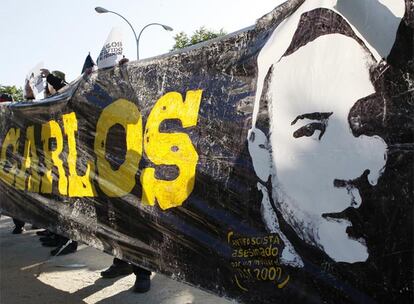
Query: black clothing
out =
(18, 223)
(138, 271)
(65, 249)
(55, 82)
(18, 229)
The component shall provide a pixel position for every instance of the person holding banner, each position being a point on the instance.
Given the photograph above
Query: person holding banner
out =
(122, 268)
(55, 81)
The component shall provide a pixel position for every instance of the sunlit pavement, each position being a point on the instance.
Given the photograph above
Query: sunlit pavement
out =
(28, 275)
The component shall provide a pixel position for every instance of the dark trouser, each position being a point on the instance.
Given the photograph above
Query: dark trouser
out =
(18, 223)
(64, 240)
(138, 271)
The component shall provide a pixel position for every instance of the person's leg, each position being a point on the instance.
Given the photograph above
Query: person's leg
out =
(65, 247)
(142, 280)
(18, 226)
(119, 262)
(118, 268)
(52, 240)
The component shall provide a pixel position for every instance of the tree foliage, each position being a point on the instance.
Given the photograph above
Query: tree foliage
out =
(183, 40)
(15, 92)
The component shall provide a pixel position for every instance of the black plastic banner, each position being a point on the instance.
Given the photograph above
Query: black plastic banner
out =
(272, 165)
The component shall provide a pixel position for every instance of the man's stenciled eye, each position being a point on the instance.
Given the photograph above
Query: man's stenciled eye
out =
(309, 129)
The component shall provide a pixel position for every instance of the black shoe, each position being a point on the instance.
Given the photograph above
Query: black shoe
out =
(17, 230)
(142, 283)
(43, 233)
(34, 227)
(117, 270)
(47, 238)
(71, 248)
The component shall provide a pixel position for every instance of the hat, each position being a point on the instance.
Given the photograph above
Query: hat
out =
(59, 75)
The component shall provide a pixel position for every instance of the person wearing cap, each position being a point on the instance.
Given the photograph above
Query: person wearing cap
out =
(55, 81)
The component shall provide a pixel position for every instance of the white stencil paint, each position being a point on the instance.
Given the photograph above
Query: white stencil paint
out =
(375, 21)
(327, 75)
(332, 81)
(260, 148)
(289, 255)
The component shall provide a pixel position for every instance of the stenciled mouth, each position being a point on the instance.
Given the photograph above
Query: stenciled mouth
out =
(352, 213)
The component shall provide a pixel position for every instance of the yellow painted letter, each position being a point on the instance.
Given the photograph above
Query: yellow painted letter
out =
(11, 139)
(51, 130)
(171, 149)
(30, 162)
(79, 186)
(120, 182)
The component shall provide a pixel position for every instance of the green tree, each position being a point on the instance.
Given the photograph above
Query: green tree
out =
(182, 40)
(15, 92)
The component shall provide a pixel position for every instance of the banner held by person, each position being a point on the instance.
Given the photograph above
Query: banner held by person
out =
(270, 165)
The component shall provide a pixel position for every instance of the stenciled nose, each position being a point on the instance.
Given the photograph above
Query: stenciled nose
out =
(340, 183)
(377, 158)
(363, 162)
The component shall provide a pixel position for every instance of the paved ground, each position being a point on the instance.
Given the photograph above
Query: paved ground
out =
(27, 275)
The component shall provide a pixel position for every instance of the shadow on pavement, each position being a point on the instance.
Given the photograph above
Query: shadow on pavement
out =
(29, 275)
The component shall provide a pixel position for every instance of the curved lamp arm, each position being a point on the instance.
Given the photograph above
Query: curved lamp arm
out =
(136, 40)
(166, 27)
(102, 10)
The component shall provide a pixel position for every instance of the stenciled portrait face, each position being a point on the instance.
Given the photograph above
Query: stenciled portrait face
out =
(315, 154)
(315, 161)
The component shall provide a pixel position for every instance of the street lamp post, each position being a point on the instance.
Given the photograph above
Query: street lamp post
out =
(101, 10)
(166, 27)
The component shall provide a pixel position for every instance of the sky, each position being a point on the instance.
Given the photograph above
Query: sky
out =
(62, 33)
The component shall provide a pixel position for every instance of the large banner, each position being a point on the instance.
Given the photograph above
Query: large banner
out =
(273, 165)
